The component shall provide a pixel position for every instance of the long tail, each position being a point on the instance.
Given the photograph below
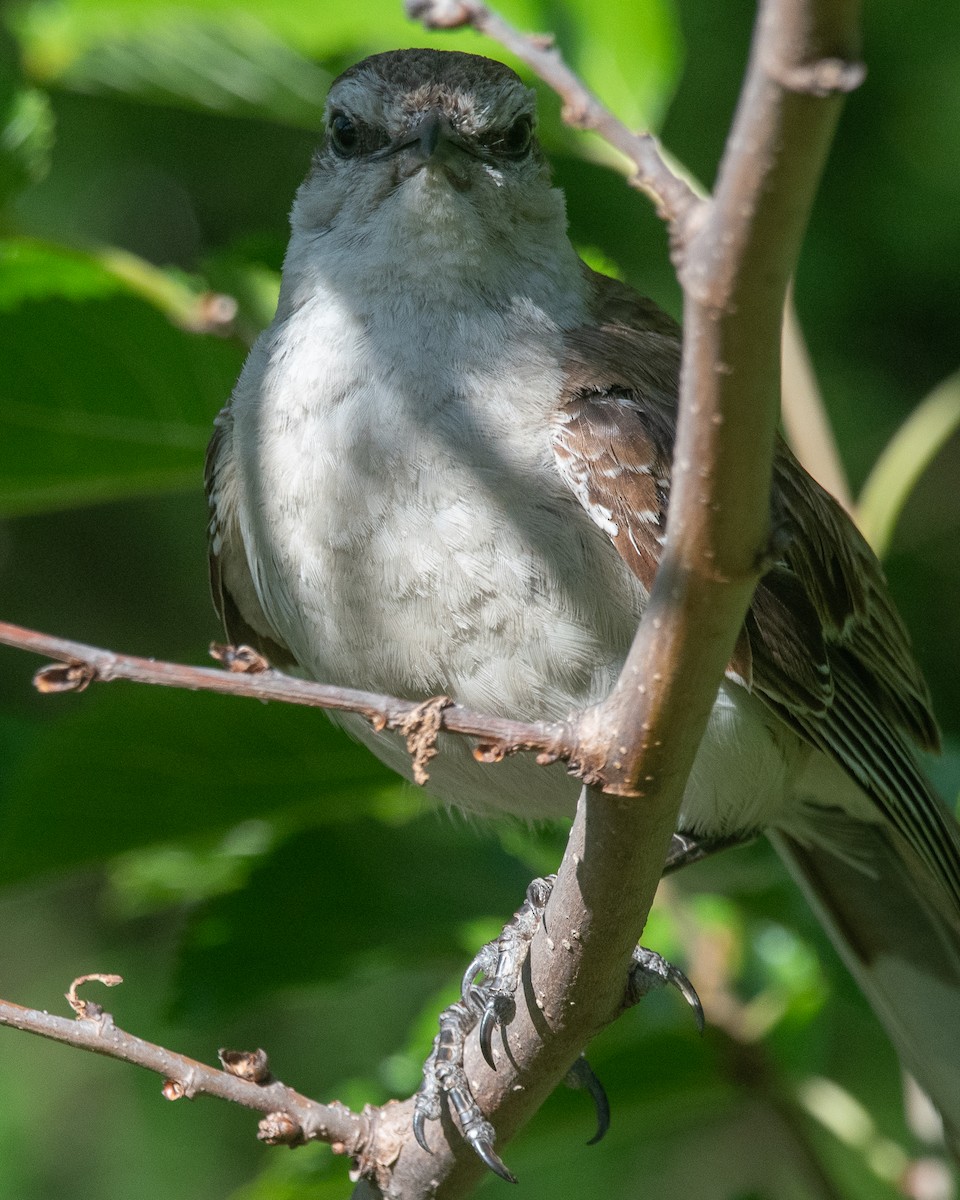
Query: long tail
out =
(899, 933)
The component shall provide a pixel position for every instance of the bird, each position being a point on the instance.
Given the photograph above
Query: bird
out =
(445, 470)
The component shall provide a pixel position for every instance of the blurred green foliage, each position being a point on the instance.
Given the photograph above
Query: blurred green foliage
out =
(257, 877)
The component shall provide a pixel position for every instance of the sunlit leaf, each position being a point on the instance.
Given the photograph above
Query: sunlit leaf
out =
(26, 139)
(630, 55)
(906, 457)
(236, 67)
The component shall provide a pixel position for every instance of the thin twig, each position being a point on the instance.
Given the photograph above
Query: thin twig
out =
(676, 201)
(305, 1119)
(79, 665)
(673, 197)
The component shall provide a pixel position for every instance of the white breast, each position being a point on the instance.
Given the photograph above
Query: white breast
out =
(411, 532)
(407, 530)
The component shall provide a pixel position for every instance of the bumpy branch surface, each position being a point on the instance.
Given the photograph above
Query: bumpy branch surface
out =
(736, 252)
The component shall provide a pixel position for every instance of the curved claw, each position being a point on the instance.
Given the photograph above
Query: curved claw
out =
(650, 970)
(497, 1011)
(686, 989)
(582, 1076)
(418, 1130)
(483, 1148)
(488, 1022)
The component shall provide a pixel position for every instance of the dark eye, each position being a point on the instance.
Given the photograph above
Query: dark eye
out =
(344, 135)
(516, 140)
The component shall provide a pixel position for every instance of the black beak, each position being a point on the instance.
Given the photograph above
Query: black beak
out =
(426, 136)
(431, 135)
(433, 140)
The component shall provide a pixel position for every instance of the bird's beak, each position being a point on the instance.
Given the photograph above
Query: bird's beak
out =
(431, 135)
(432, 141)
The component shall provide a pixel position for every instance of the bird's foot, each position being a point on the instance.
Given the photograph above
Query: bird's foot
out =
(649, 971)
(490, 1005)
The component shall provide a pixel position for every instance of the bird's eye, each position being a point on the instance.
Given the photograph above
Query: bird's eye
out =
(344, 135)
(516, 140)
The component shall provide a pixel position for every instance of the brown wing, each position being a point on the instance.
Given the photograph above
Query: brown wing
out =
(822, 644)
(231, 584)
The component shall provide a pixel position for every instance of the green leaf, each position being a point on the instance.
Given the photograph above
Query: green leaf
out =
(32, 270)
(236, 67)
(316, 1175)
(208, 54)
(56, 37)
(26, 139)
(101, 397)
(629, 54)
(904, 460)
(26, 125)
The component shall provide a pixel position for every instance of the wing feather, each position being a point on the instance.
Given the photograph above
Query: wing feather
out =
(822, 644)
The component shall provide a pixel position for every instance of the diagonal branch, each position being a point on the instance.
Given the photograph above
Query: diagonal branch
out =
(672, 195)
(736, 254)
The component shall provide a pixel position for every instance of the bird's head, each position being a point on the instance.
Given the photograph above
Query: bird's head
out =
(425, 151)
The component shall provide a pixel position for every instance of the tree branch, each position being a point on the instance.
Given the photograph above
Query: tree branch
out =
(737, 258)
(291, 1118)
(672, 195)
(78, 665)
(736, 254)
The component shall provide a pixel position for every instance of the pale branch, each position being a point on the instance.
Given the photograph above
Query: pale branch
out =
(671, 194)
(291, 1118)
(735, 273)
(678, 202)
(737, 251)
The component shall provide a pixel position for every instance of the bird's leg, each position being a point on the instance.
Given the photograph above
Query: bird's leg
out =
(487, 1004)
(508, 953)
(686, 849)
(490, 1004)
(649, 971)
(443, 1072)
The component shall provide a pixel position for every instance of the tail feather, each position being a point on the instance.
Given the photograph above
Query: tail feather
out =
(899, 933)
